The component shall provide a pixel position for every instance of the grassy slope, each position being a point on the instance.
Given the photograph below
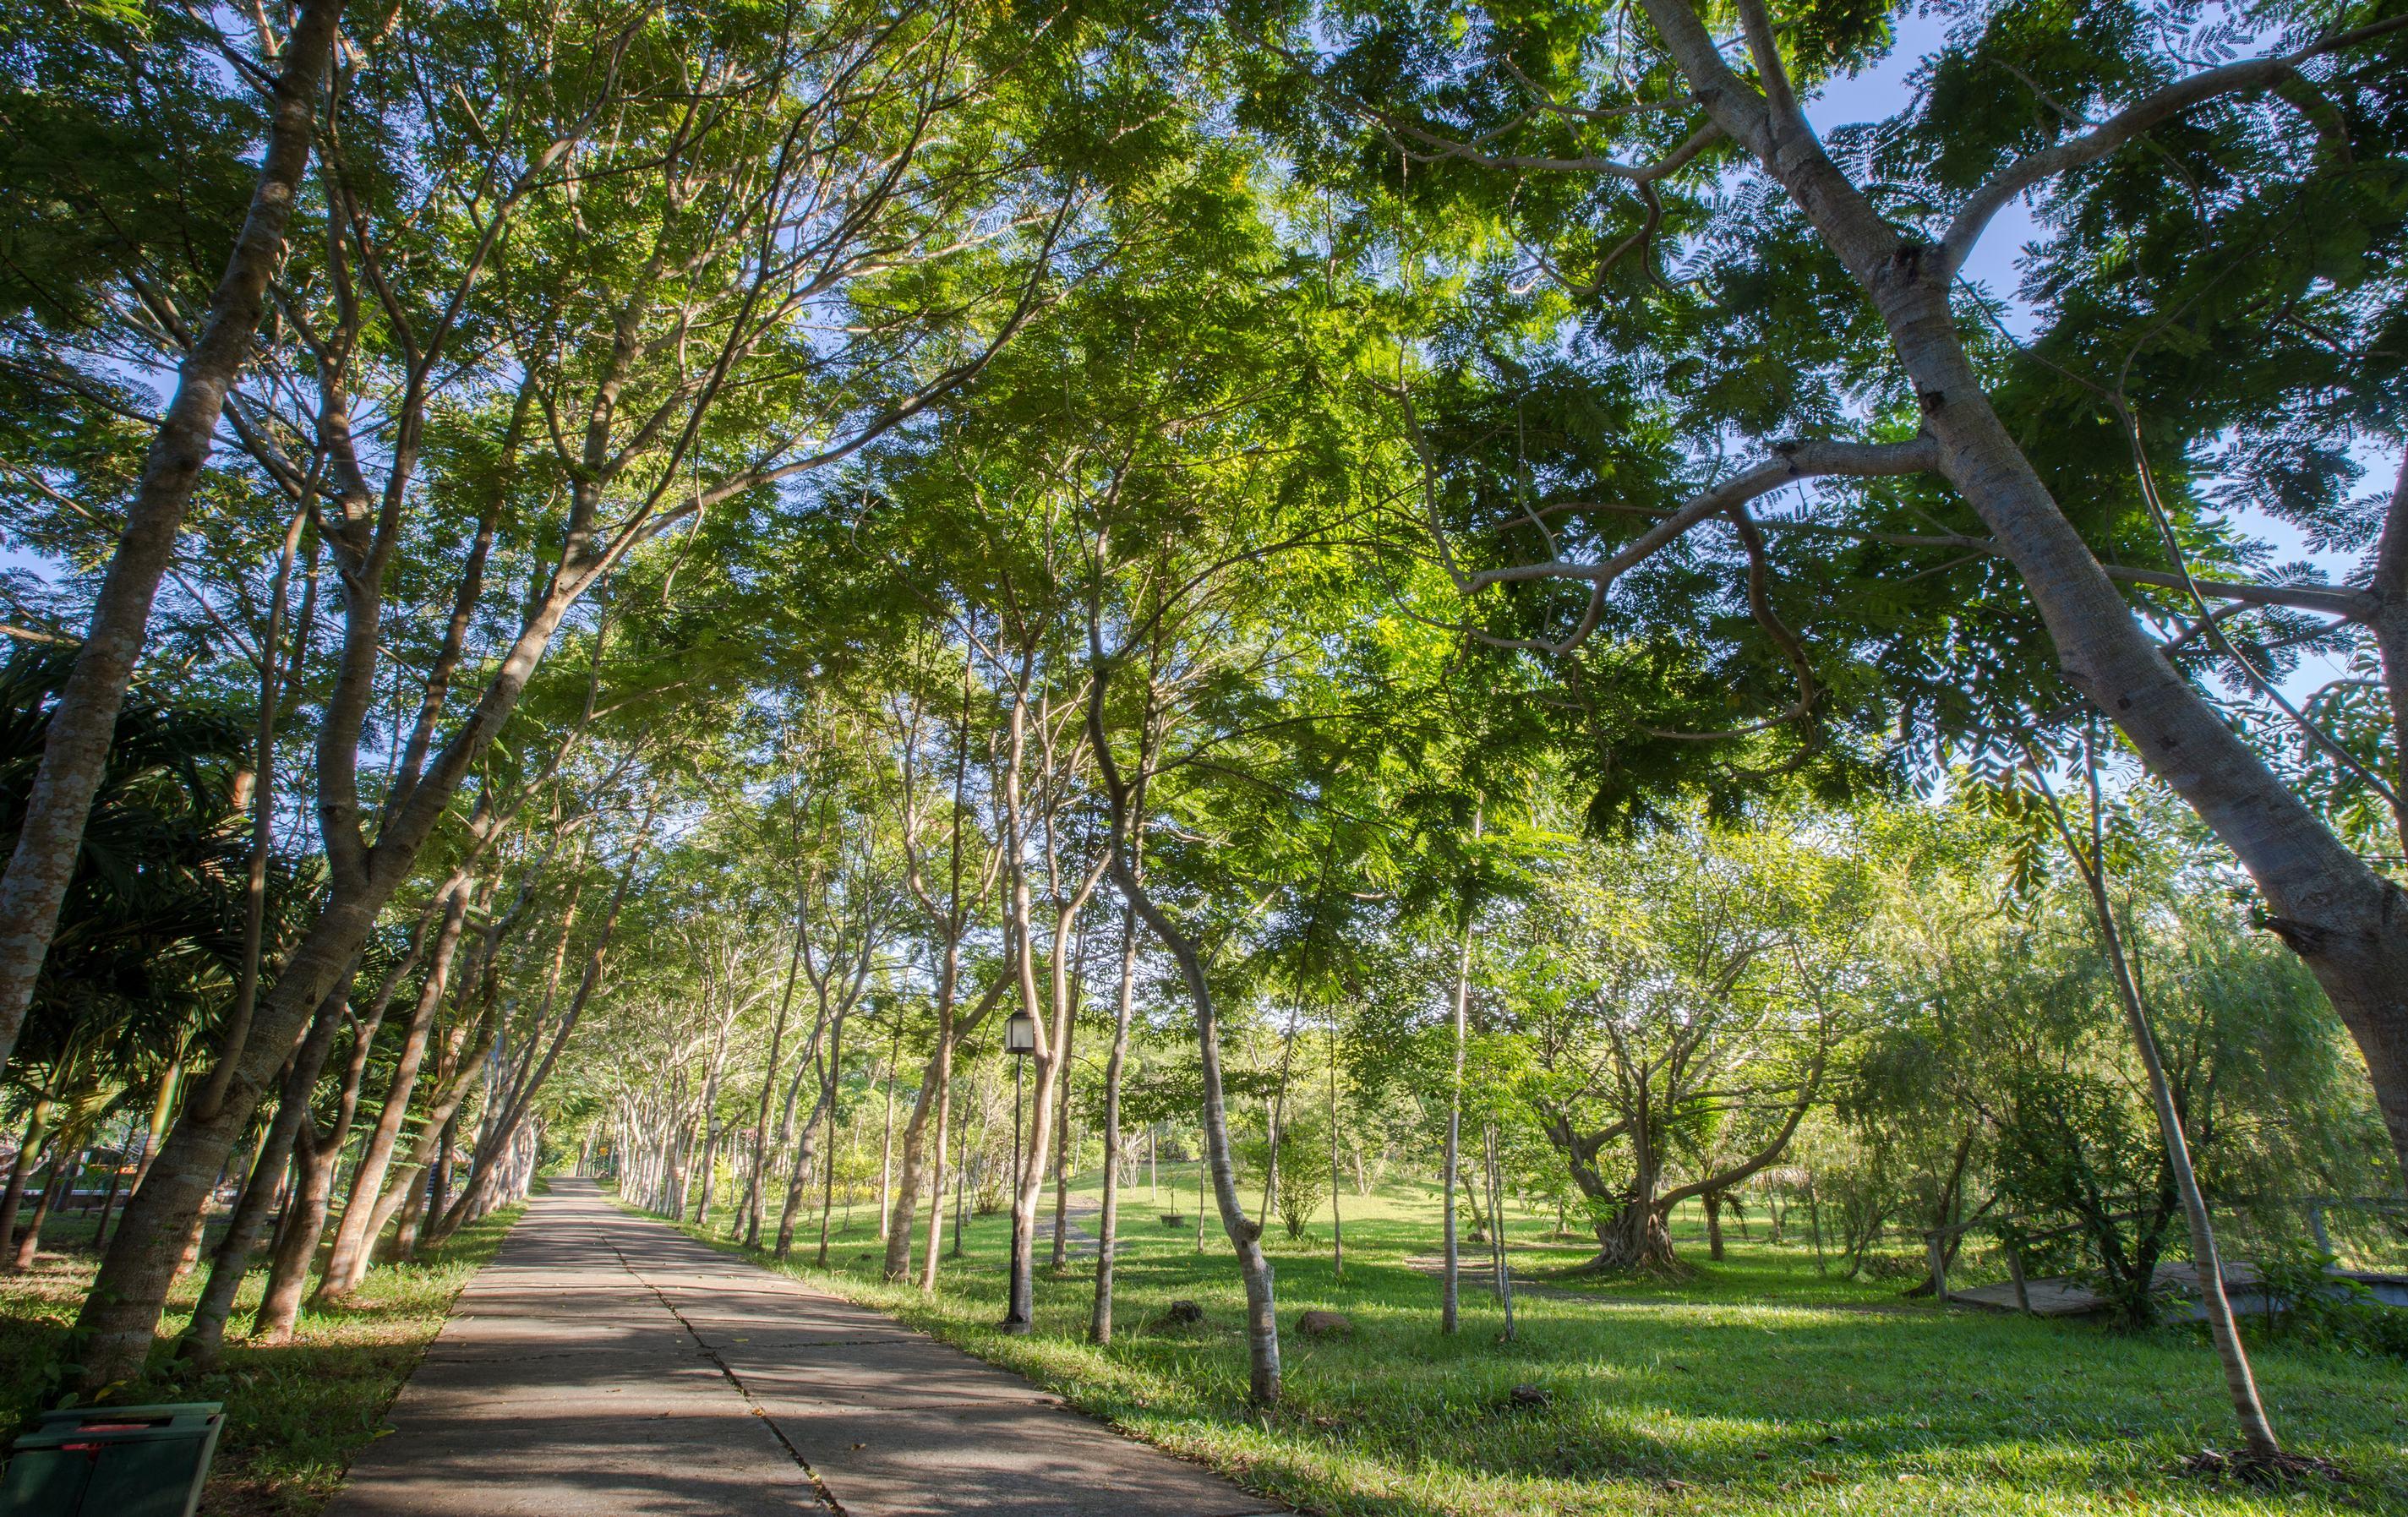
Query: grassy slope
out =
(1759, 1386)
(295, 1415)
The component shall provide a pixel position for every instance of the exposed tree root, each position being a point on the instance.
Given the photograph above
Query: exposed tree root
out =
(2279, 1471)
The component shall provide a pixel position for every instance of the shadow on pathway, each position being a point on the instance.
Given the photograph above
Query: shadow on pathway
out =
(606, 1363)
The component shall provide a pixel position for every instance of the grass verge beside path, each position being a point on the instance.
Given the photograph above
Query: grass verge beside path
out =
(1751, 1389)
(295, 1415)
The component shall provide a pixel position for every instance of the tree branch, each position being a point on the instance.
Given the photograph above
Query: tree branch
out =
(2035, 168)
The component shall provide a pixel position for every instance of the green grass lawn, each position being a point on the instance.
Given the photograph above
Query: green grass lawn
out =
(295, 1415)
(1757, 1386)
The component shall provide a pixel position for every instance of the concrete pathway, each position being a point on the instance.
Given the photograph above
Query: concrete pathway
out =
(606, 1363)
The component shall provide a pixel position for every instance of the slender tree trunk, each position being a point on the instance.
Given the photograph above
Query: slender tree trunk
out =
(108, 1202)
(886, 1132)
(407, 1190)
(754, 1179)
(2256, 1432)
(1063, 1151)
(1100, 1319)
(83, 721)
(828, 1104)
(1499, 1263)
(961, 1211)
(1448, 1289)
(29, 1154)
(64, 1163)
(163, 1107)
(1028, 1185)
(1245, 1235)
(1337, 1170)
(923, 1164)
(1712, 1202)
(799, 1144)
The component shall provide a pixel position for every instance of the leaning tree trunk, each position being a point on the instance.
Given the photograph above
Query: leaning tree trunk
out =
(1245, 1235)
(799, 1144)
(2347, 923)
(83, 721)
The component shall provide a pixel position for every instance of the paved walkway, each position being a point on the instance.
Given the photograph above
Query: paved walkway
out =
(606, 1363)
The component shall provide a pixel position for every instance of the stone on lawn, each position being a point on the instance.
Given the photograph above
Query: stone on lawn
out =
(1325, 1325)
(1183, 1314)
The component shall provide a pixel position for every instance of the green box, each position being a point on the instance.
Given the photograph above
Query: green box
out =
(113, 1462)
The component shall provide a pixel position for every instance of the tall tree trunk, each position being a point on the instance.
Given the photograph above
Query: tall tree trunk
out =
(407, 1188)
(1100, 1320)
(109, 1201)
(1245, 1234)
(799, 1144)
(1450, 1287)
(83, 721)
(1028, 1186)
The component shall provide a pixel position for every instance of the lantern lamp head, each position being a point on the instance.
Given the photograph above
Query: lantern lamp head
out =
(1020, 1034)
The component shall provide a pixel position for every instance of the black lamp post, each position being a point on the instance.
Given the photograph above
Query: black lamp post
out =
(1020, 1042)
